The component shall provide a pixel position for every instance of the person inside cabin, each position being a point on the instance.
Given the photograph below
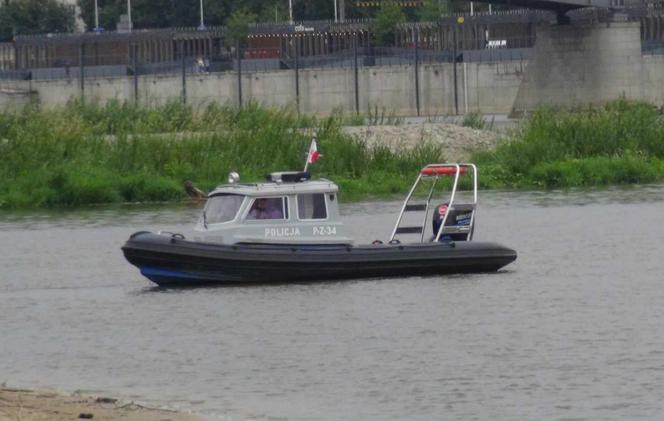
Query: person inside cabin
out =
(266, 209)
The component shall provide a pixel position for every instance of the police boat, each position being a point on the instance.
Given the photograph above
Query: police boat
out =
(288, 229)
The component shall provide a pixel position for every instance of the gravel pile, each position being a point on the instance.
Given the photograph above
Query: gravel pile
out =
(456, 141)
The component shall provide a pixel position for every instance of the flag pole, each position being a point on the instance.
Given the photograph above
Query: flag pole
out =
(306, 163)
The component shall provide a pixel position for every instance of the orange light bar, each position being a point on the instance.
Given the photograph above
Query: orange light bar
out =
(442, 170)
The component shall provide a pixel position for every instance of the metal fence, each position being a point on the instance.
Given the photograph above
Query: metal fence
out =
(653, 47)
(255, 60)
(86, 79)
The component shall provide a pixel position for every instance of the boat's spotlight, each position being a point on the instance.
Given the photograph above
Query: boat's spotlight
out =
(233, 177)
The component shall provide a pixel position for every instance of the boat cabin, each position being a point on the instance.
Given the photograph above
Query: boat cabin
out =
(287, 209)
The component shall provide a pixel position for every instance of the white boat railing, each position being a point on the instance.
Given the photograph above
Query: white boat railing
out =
(436, 171)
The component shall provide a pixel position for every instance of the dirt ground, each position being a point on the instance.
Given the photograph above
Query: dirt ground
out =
(457, 142)
(30, 405)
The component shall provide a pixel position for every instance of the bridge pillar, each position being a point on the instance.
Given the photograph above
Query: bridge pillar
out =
(576, 65)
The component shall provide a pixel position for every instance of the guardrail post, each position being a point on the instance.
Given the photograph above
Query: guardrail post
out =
(81, 69)
(297, 74)
(417, 72)
(16, 56)
(184, 73)
(134, 64)
(239, 73)
(454, 53)
(357, 88)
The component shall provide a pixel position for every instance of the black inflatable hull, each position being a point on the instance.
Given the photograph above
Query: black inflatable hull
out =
(171, 261)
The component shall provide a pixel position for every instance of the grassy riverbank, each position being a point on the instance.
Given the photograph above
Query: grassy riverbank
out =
(87, 154)
(620, 143)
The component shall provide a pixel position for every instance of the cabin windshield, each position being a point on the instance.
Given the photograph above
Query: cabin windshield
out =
(222, 208)
(269, 208)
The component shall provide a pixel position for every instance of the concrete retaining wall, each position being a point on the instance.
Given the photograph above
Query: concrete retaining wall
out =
(576, 65)
(487, 87)
(652, 79)
(16, 98)
(570, 65)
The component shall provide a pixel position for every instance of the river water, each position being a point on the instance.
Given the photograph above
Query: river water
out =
(574, 329)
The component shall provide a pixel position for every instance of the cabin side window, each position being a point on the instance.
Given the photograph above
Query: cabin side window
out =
(311, 206)
(268, 208)
(222, 208)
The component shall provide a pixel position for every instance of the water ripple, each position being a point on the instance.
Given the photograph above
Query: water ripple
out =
(571, 330)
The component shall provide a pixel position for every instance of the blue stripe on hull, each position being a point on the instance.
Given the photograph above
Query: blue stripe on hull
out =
(166, 276)
(151, 271)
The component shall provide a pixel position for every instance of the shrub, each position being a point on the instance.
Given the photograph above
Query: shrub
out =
(618, 143)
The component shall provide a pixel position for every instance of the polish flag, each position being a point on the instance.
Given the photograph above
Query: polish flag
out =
(313, 153)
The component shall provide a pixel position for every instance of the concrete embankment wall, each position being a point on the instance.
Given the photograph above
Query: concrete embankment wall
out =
(571, 65)
(488, 87)
(574, 65)
(13, 98)
(652, 79)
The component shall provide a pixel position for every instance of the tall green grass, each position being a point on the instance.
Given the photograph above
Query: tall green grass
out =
(620, 143)
(86, 154)
(474, 120)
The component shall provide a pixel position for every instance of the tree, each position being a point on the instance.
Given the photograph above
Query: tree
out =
(238, 24)
(109, 12)
(173, 13)
(24, 17)
(276, 11)
(432, 10)
(154, 13)
(313, 9)
(385, 23)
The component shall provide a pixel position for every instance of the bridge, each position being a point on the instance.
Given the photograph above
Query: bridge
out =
(556, 5)
(561, 7)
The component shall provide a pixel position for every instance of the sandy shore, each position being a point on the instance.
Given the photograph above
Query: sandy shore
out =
(30, 405)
